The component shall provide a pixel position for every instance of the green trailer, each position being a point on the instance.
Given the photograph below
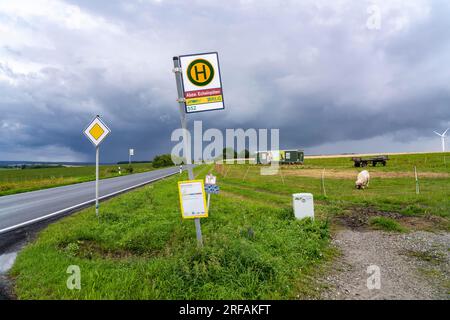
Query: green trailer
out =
(282, 156)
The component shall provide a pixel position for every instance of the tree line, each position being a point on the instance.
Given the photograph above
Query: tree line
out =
(165, 160)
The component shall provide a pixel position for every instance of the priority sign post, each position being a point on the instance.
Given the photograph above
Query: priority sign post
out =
(96, 132)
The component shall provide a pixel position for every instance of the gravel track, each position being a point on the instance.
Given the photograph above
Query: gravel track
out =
(414, 265)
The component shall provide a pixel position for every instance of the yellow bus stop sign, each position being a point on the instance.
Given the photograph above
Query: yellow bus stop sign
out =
(200, 72)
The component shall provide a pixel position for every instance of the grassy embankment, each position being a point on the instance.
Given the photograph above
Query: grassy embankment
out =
(22, 180)
(254, 248)
(142, 249)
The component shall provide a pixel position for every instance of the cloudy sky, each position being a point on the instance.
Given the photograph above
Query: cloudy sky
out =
(330, 75)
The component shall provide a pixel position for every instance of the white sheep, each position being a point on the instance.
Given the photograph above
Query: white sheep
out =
(362, 180)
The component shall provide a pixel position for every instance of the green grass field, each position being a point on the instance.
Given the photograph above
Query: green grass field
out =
(392, 188)
(254, 247)
(16, 180)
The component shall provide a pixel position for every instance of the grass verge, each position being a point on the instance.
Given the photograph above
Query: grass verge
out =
(386, 224)
(142, 249)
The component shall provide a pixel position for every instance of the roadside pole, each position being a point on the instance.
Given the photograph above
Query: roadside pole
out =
(177, 70)
(97, 157)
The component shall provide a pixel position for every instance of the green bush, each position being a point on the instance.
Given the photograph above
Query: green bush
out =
(111, 171)
(163, 160)
(129, 169)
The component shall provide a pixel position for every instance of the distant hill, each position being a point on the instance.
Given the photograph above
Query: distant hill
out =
(4, 164)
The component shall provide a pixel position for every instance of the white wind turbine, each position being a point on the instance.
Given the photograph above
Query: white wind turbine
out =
(443, 136)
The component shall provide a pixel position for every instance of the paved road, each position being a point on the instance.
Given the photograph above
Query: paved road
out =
(26, 208)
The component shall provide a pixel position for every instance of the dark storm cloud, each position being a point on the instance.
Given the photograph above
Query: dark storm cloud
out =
(310, 68)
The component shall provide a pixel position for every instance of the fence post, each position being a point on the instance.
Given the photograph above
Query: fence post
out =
(245, 175)
(417, 181)
(323, 183)
(226, 173)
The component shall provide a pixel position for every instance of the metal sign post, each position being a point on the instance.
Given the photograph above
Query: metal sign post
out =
(97, 158)
(181, 107)
(96, 132)
(199, 87)
(209, 198)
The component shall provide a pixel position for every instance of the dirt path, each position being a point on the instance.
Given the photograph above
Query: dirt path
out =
(352, 173)
(414, 265)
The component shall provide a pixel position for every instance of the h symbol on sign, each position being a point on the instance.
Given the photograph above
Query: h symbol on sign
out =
(197, 73)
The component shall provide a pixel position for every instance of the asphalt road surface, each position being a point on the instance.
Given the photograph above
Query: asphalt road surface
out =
(24, 209)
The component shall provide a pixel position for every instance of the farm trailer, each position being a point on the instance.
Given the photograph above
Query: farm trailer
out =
(364, 162)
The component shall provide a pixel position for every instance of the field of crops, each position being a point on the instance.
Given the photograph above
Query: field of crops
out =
(23, 180)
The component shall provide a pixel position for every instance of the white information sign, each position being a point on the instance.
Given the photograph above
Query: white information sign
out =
(202, 85)
(131, 152)
(192, 199)
(210, 179)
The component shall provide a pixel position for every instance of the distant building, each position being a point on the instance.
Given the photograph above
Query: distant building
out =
(280, 156)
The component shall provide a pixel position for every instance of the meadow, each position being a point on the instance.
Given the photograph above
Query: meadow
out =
(22, 180)
(392, 188)
(429, 162)
(254, 247)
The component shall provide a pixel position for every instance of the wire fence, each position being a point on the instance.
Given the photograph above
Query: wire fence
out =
(413, 183)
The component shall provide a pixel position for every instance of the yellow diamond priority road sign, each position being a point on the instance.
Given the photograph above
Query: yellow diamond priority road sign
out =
(96, 131)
